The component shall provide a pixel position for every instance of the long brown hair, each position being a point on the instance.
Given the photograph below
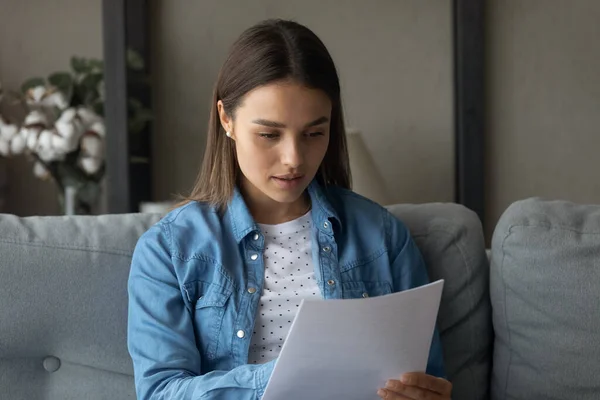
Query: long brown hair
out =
(273, 50)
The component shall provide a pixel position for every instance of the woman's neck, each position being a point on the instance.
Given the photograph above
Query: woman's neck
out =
(267, 211)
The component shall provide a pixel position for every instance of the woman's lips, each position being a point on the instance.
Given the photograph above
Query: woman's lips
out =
(287, 183)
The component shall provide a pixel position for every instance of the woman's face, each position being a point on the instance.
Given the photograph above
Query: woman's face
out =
(281, 134)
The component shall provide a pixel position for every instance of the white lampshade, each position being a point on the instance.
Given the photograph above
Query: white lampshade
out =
(159, 207)
(366, 179)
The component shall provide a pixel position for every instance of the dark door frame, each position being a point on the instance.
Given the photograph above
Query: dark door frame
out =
(126, 28)
(469, 103)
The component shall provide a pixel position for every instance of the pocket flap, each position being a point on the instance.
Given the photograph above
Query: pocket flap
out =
(203, 294)
(213, 298)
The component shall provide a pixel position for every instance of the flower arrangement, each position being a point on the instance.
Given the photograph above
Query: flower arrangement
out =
(62, 128)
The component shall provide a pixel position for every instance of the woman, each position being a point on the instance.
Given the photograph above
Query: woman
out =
(214, 286)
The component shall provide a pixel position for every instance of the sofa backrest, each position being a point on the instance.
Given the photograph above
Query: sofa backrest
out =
(63, 308)
(545, 292)
(450, 238)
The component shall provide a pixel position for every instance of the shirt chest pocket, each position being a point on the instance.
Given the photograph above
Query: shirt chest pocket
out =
(360, 289)
(208, 303)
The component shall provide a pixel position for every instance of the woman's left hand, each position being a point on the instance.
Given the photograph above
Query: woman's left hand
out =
(416, 386)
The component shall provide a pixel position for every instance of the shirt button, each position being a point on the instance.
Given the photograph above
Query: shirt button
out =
(331, 282)
(253, 257)
(365, 295)
(251, 290)
(241, 334)
(326, 249)
(255, 237)
(326, 225)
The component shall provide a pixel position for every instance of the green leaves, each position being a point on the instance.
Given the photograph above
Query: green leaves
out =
(138, 115)
(134, 60)
(89, 192)
(83, 66)
(138, 121)
(31, 83)
(79, 65)
(98, 108)
(88, 73)
(88, 89)
(96, 66)
(63, 81)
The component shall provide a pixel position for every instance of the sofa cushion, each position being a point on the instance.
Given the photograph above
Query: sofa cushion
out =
(450, 238)
(63, 309)
(63, 282)
(545, 292)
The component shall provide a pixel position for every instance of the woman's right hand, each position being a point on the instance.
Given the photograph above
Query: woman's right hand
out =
(416, 386)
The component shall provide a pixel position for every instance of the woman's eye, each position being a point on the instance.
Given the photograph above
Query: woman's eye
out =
(269, 136)
(273, 136)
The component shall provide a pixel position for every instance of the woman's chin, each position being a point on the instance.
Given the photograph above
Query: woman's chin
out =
(285, 192)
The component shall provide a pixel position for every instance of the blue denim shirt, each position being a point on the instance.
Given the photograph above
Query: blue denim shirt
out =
(196, 280)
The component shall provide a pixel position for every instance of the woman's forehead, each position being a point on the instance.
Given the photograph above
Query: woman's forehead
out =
(285, 100)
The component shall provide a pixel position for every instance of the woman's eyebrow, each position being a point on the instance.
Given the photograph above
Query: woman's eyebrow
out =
(273, 124)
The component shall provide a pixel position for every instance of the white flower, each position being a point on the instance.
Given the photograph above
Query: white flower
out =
(32, 137)
(44, 142)
(26, 131)
(92, 145)
(66, 129)
(63, 145)
(99, 128)
(46, 155)
(11, 144)
(17, 144)
(35, 94)
(92, 152)
(88, 117)
(57, 99)
(46, 97)
(36, 117)
(90, 165)
(40, 171)
(4, 148)
(8, 131)
(50, 146)
(69, 129)
(45, 148)
(68, 115)
(50, 155)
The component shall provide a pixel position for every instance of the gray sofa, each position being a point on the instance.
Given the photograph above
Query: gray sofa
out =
(525, 327)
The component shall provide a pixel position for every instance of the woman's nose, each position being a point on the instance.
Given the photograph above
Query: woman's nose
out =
(292, 154)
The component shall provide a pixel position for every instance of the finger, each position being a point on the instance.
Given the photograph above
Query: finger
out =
(412, 392)
(419, 379)
(390, 395)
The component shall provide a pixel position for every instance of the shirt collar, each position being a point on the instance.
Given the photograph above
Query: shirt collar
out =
(242, 222)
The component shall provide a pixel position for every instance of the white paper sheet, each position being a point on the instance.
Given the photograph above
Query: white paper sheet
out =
(347, 349)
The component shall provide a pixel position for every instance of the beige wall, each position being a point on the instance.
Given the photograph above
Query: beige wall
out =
(394, 60)
(38, 37)
(543, 102)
